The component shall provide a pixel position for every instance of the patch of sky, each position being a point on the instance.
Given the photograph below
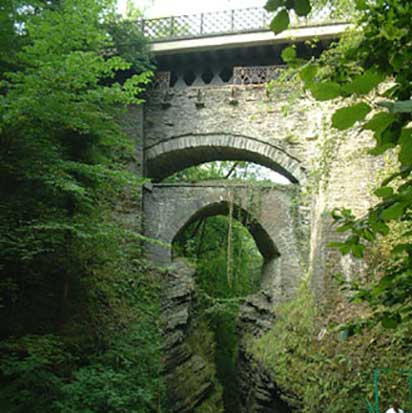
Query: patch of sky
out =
(162, 8)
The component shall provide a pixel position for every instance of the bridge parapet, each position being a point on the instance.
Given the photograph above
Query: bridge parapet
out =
(190, 126)
(223, 22)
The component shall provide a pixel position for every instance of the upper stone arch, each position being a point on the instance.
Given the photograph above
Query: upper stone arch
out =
(180, 152)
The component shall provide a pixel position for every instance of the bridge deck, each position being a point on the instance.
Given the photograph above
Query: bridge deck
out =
(235, 21)
(261, 38)
(230, 28)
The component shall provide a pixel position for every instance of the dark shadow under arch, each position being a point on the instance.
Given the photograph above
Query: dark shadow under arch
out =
(263, 241)
(175, 154)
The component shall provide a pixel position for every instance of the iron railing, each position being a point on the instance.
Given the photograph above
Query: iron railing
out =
(221, 22)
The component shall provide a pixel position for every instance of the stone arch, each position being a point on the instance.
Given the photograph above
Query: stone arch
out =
(264, 242)
(177, 153)
(170, 208)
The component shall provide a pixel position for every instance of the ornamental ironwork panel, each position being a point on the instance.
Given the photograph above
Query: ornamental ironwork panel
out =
(224, 22)
(255, 75)
(219, 22)
(251, 19)
(161, 80)
(157, 28)
(196, 25)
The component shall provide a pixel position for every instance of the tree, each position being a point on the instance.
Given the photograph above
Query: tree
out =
(74, 293)
(376, 53)
(62, 150)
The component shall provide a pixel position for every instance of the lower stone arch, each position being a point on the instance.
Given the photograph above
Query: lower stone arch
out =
(169, 208)
(263, 240)
(177, 153)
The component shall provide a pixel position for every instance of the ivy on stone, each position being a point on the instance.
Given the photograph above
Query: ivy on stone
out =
(375, 52)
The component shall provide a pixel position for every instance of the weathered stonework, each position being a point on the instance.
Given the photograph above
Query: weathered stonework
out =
(267, 212)
(290, 135)
(167, 157)
(291, 226)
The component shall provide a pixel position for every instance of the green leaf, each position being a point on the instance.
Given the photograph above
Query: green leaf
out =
(308, 73)
(289, 54)
(402, 106)
(380, 149)
(273, 5)
(345, 227)
(380, 122)
(280, 22)
(289, 4)
(325, 90)
(368, 235)
(345, 249)
(346, 117)
(384, 192)
(361, 5)
(386, 281)
(380, 228)
(365, 83)
(400, 248)
(395, 211)
(405, 143)
(391, 321)
(335, 244)
(302, 7)
(358, 250)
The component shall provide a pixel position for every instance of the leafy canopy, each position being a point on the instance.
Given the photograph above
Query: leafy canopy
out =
(77, 309)
(371, 68)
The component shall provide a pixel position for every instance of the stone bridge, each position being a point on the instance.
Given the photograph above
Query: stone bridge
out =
(218, 97)
(269, 213)
(179, 152)
(214, 103)
(290, 135)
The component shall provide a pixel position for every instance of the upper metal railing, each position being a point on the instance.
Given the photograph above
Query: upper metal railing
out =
(221, 22)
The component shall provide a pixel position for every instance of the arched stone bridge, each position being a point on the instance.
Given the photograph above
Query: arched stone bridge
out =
(289, 138)
(277, 127)
(269, 213)
(179, 152)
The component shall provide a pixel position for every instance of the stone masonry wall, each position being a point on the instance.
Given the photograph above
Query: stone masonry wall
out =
(272, 222)
(288, 133)
(337, 170)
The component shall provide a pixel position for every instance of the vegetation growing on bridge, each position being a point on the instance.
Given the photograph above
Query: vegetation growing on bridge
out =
(353, 70)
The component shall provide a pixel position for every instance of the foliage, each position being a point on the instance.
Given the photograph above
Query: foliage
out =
(123, 379)
(78, 307)
(318, 368)
(206, 242)
(222, 170)
(130, 44)
(32, 369)
(357, 66)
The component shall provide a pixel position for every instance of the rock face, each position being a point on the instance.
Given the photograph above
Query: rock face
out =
(258, 392)
(189, 351)
(188, 347)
